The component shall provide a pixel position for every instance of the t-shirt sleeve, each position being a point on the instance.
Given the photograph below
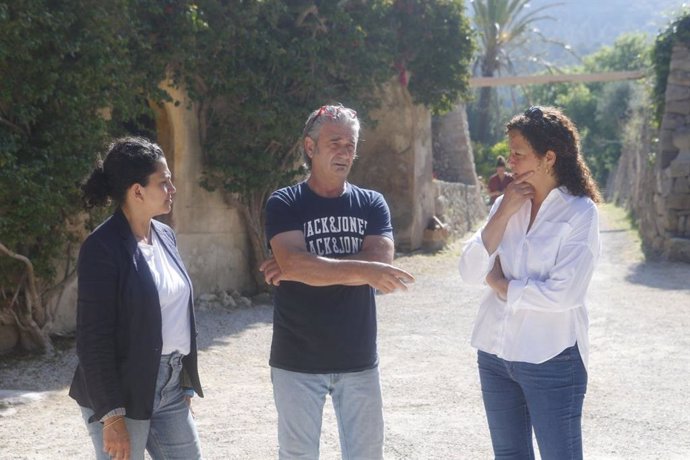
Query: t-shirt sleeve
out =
(379, 221)
(281, 215)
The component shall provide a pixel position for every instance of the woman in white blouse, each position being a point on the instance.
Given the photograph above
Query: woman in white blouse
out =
(536, 254)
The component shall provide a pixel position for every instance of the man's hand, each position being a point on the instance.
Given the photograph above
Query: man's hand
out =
(387, 278)
(271, 271)
(116, 438)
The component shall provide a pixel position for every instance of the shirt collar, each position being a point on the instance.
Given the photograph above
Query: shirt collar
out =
(560, 193)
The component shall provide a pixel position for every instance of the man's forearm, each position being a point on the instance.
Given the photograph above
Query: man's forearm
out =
(323, 271)
(375, 254)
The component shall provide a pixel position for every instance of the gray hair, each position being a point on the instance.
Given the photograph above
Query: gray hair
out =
(327, 113)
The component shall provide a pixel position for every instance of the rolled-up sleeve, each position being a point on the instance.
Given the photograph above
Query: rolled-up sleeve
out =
(475, 262)
(566, 285)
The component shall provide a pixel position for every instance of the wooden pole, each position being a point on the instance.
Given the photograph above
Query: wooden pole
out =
(478, 82)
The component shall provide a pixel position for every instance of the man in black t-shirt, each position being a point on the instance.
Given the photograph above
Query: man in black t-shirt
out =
(332, 244)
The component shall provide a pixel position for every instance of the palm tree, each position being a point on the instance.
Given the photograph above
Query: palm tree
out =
(502, 26)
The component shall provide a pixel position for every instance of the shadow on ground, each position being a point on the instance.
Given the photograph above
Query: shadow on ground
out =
(26, 372)
(661, 274)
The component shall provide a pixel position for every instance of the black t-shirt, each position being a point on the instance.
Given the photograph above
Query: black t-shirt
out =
(326, 329)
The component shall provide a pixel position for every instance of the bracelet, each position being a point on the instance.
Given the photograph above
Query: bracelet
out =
(113, 422)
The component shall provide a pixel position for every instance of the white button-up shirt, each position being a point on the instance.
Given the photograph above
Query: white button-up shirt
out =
(548, 269)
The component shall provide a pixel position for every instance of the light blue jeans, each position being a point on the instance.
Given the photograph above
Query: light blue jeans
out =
(356, 396)
(171, 431)
(547, 397)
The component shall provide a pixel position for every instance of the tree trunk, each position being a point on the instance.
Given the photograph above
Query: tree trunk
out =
(453, 157)
(485, 104)
(26, 308)
(484, 112)
(252, 208)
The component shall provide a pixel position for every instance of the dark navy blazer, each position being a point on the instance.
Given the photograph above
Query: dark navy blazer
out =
(119, 338)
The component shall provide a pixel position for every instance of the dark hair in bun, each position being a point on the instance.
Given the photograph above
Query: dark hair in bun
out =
(129, 160)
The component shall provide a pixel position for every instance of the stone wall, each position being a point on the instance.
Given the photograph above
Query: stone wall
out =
(211, 234)
(657, 188)
(460, 206)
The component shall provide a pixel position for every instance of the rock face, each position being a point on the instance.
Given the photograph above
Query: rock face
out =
(656, 188)
(395, 159)
(211, 235)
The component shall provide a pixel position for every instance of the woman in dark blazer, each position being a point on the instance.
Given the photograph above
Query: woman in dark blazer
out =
(136, 335)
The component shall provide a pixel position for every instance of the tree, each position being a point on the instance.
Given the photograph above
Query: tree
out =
(503, 26)
(62, 64)
(77, 72)
(273, 62)
(600, 110)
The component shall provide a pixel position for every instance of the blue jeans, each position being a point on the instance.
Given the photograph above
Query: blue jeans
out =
(171, 431)
(547, 397)
(356, 396)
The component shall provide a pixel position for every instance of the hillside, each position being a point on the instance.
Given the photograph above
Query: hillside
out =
(587, 25)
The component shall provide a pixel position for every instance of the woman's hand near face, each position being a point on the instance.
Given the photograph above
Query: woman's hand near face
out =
(516, 193)
(116, 438)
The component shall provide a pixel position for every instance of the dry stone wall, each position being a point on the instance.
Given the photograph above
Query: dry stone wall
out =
(460, 206)
(657, 188)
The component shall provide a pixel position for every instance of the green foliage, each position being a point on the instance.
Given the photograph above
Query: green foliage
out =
(273, 62)
(503, 27)
(433, 41)
(600, 110)
(485, 157)
(677, 32)
(59, 66)
(254, 67)
(629, 52)
(74, 74)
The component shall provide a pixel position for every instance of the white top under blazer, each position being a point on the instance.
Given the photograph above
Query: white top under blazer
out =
(173, 293)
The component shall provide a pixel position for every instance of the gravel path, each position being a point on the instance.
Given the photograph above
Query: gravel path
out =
(637, 405)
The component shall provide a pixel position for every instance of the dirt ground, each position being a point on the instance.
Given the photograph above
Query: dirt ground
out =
(637, 404)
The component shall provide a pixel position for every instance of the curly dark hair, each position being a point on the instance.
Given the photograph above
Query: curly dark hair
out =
(547, 128)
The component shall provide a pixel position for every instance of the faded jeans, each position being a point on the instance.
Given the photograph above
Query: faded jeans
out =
(171, 431)
(548, 397)
(300, 398)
